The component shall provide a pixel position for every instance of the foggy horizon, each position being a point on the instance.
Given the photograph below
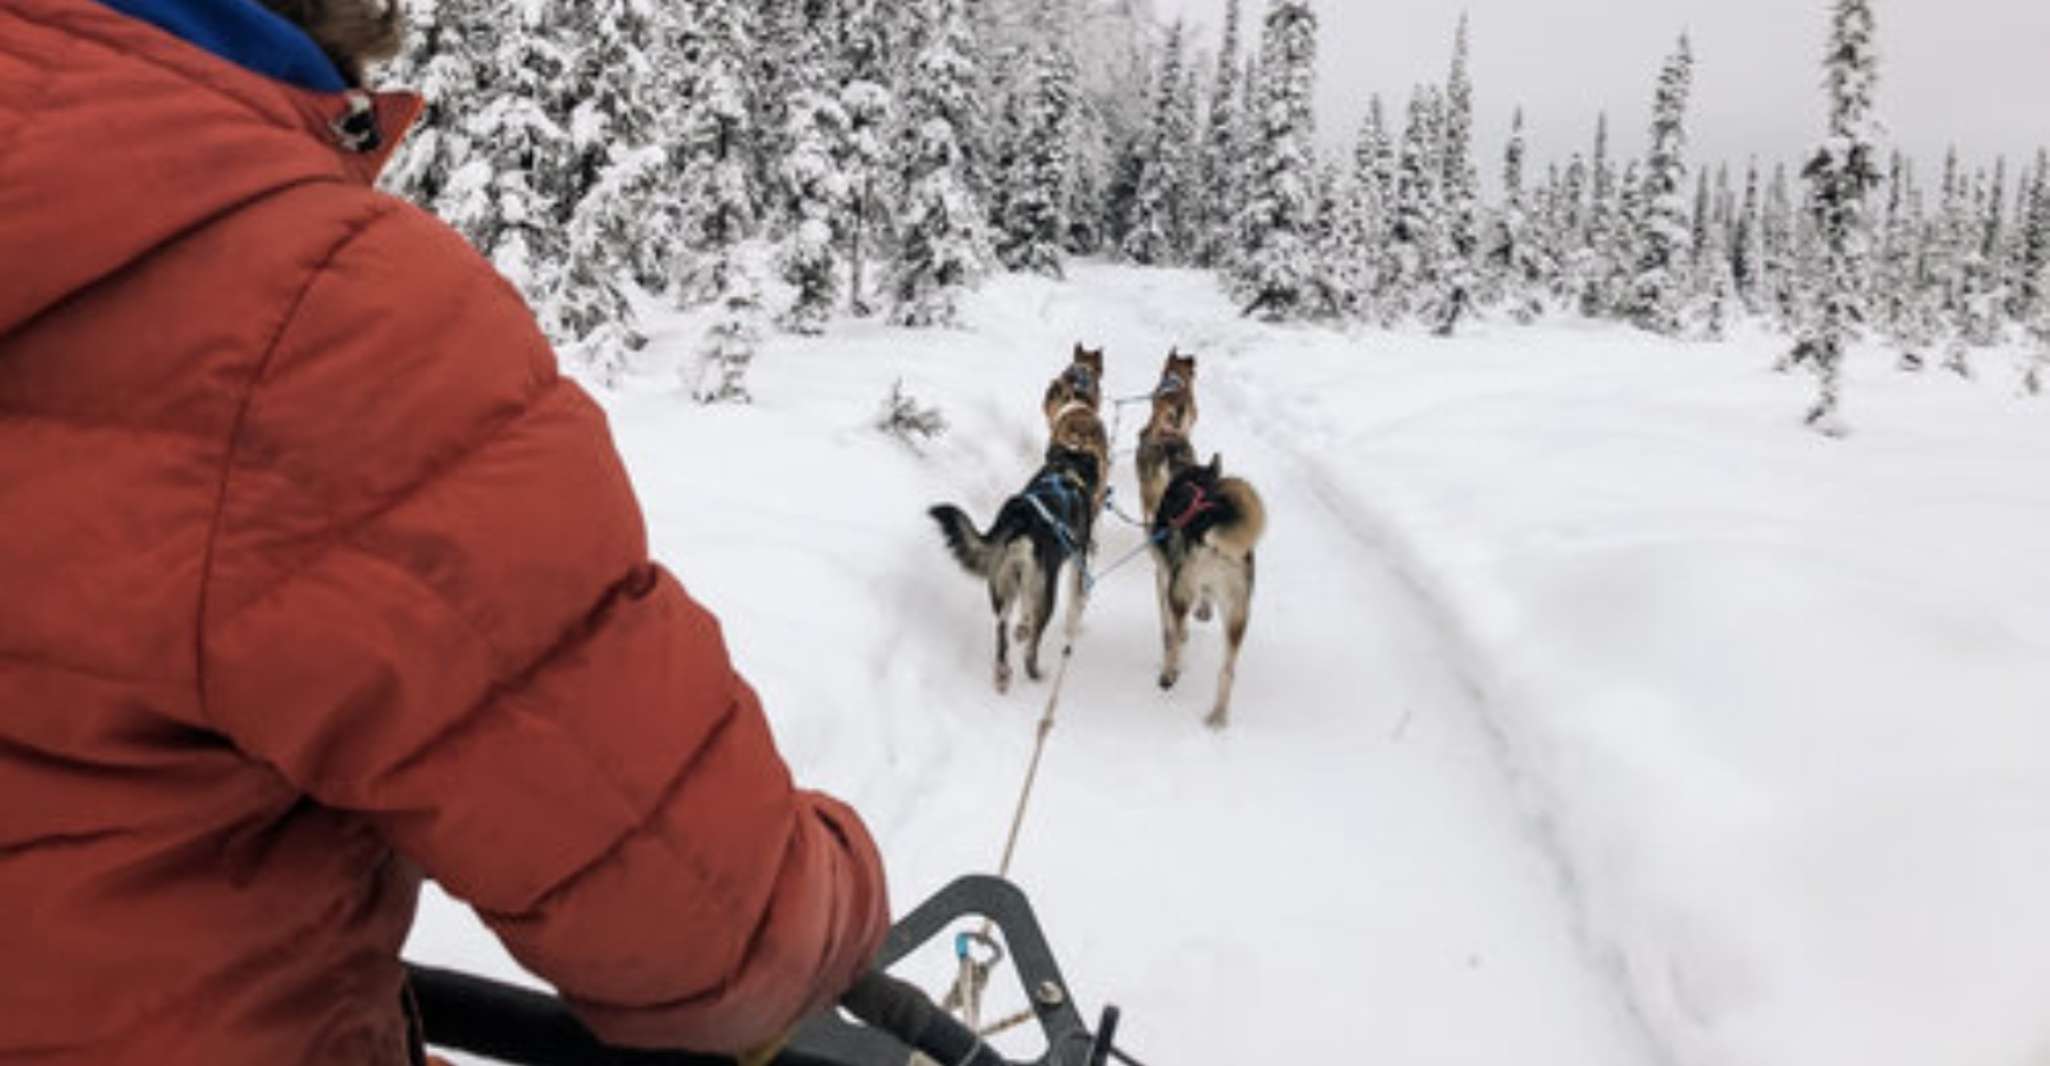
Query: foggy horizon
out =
(1757, 78)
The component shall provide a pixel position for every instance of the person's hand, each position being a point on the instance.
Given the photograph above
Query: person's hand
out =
(766, 1054)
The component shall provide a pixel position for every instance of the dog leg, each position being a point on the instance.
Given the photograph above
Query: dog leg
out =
(1049, 583)
(1174, 621)
(1238, 609)
(1078, 594)
(1003, 670)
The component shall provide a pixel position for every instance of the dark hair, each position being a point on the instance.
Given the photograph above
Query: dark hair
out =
(353, 33)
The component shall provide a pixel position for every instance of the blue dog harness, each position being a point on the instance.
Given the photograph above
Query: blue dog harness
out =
(1067, 497)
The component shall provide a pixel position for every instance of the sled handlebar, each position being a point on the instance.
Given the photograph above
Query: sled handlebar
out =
(517, 1025)
(907, 1013)
(463, 1012)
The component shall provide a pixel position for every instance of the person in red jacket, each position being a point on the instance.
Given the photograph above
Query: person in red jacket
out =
(319, 577)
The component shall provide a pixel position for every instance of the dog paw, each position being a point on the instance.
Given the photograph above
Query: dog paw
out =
(1032, 671)
(1168, 679)
(1003, 679)
(1217, 720)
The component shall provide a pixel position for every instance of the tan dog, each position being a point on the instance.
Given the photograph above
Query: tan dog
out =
(1204, 529)
(1077, 428)
(1081, 382)
(1204, 533)
(1164, 443)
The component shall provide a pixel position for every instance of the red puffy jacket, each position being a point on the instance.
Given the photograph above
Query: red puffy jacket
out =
(316, 575)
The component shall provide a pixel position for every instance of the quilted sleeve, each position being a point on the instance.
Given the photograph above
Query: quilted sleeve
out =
(429, 600)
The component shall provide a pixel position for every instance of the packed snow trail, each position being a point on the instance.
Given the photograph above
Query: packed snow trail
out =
(1343, 875)
(1527, 763)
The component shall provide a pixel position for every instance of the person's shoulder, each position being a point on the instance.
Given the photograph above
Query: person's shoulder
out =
(393, 282)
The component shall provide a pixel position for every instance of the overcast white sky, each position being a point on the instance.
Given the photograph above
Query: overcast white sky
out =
(1976, 72)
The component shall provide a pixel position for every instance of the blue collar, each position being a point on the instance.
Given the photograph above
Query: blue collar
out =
(243, 32)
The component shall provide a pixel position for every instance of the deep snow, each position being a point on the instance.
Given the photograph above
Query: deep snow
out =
(1592, 712)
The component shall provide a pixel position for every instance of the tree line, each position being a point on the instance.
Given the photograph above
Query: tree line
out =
(789, 161)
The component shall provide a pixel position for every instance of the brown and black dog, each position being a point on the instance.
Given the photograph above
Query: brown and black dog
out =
(1081, 382)
(1048, 525)
(1164, 443)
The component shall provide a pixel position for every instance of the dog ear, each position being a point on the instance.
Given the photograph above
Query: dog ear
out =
(1080, 351)
(1216, 464)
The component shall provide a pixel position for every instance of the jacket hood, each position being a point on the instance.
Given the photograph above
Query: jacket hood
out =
(116, 137)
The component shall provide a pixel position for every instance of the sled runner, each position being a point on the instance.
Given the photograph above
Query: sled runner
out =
(460, 1012)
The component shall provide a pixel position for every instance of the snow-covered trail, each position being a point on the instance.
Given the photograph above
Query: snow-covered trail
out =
(1343, 875)
(1345, 869)
(1590, 712)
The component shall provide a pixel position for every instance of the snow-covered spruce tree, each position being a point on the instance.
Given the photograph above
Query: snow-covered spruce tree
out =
(1778, 258)
(1163, 160)
(1662, 235)
(1090, 168)
(1219, 201)
(626, 220)
(1331, 246)
(722, 201)
(1362, 245)
(1714, 305)
(1003, 67)
(1187, 213)
(1247, 143)
(2032, 245)
(1967, 305)
(1994, 245)
(779, 77)
(1896, 288)
(942, 249)
(814, 181)
(1593, 265)
(1622, 257)
(866, 100)
(510, 195)
(1702, 218)
(1923, 330)
(718, 148)
(2038, 376)
(1033, 231)
(1515, 268)
(537, 146)
(1724, 216)
(1417, 237)
(1275, 274)
(448, 56)
(1841, 175)
(1745, 267)
(1565, 230)
(1461, 183)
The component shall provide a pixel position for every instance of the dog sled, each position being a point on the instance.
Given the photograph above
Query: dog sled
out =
(896, 1022)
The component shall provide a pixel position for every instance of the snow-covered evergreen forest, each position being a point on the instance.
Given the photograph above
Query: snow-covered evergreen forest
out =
(791, 161)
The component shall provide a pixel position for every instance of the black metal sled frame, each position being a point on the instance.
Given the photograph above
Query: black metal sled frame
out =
(470, 1014)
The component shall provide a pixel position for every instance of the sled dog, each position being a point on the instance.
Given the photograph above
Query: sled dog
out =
(1202, 526)
(1081, 382)
(1047, 525)
(1164, 443)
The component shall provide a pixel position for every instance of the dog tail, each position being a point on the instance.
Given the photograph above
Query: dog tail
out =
(973, 550)
(1238, 537)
